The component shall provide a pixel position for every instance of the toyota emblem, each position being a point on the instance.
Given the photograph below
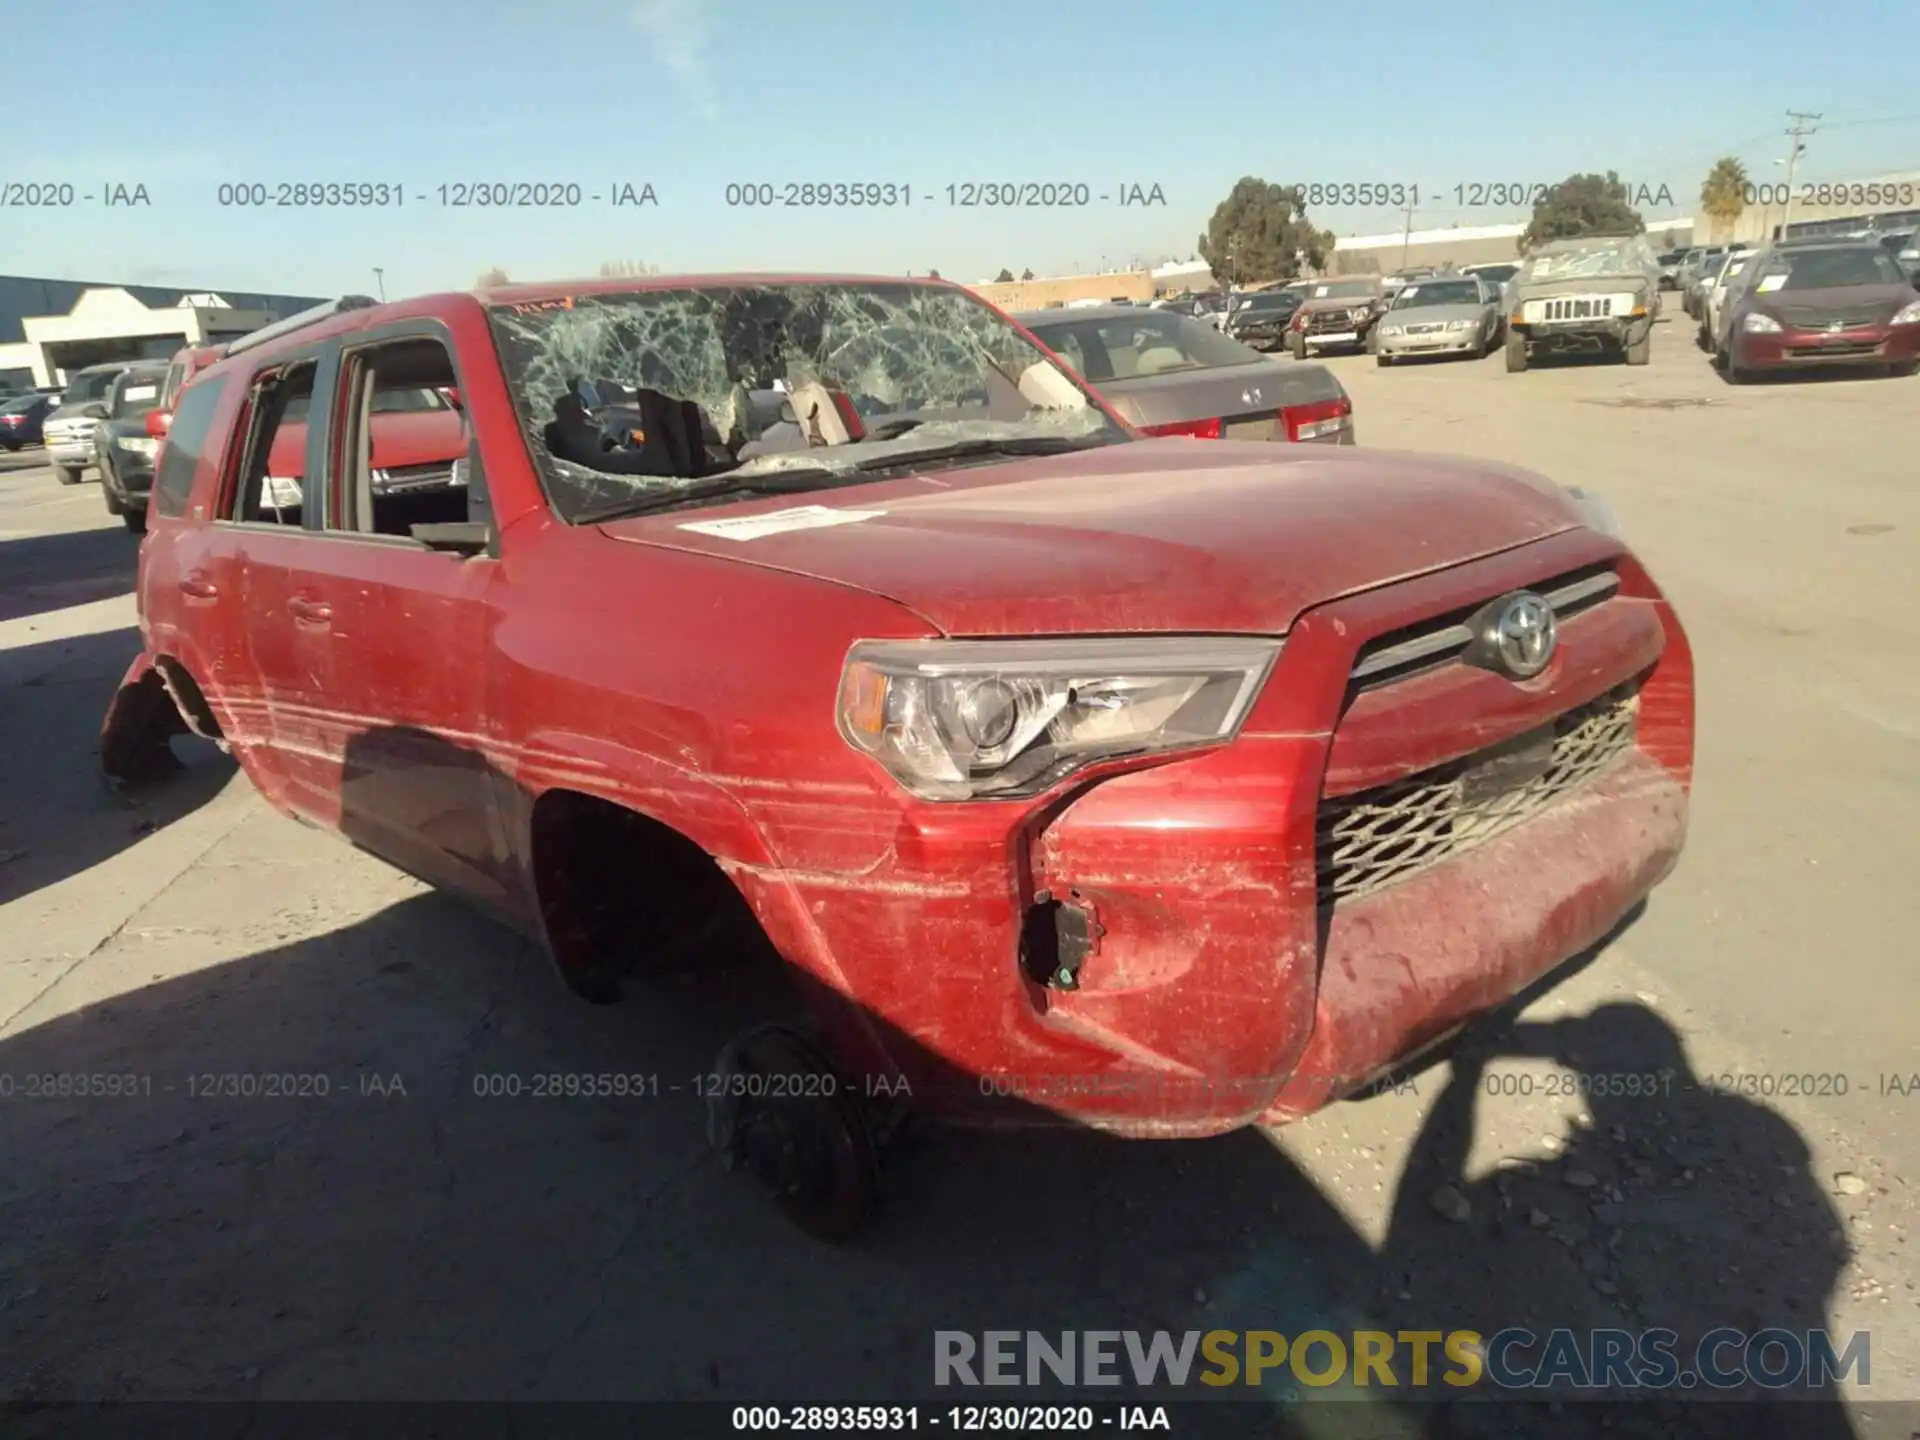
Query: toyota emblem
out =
(1522, 635)
(1249, 397)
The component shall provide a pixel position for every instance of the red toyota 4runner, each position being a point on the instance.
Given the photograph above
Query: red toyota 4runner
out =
(1158, 787)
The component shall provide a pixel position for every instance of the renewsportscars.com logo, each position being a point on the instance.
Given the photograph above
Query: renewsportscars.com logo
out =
(1511, 1359)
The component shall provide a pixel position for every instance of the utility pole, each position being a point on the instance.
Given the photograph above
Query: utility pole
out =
(1406, 237)
(1802, 127)
(380, 279)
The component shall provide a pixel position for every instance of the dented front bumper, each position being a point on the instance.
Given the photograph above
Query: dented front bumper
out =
(1157, 952)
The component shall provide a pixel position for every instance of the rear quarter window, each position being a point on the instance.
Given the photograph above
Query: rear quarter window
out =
(186, 442)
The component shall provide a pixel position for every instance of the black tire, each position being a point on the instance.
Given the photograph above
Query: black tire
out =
(10, 446)
(1640, 352)
(68, 474)
(111, 496)
(808, 1144)
(1516, 353)
(1901, 369)
(1297, 347)
(135, 519)
(1383, 361)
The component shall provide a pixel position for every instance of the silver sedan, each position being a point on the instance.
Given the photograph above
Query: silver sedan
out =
(1449, 316)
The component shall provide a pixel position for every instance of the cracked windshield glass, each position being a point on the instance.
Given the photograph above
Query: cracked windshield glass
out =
(630, 397)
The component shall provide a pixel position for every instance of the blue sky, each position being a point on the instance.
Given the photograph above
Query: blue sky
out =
(690, 95)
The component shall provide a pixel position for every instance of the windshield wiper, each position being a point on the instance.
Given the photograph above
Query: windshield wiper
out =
(1002, 445)
(821, 477)
(773, 482)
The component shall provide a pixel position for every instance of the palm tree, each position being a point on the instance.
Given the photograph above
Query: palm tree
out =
(1723, 195)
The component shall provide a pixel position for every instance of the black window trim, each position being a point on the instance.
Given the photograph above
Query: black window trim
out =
(479, 499)
(215, 390)
(234, 469)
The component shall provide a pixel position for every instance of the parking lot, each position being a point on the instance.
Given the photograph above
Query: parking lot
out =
(403, 1237)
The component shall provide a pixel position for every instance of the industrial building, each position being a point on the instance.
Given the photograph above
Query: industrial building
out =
(51, 328)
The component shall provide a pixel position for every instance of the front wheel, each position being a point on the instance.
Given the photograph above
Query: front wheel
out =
(1901, 369)
(110, 496)
(1297, 346)
(68, 474)
(780, 1111)
(1383, 361)
(1516, 353)
(134, 519)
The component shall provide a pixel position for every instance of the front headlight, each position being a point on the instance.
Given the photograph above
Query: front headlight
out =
(1597, 513)
(136, 444)
(1393, 329)
(995, 719)
(1910, 315)
(1758, 324)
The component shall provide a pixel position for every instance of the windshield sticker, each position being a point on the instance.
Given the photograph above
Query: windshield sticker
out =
(140, 392)
(779, 522)
(1770, 282)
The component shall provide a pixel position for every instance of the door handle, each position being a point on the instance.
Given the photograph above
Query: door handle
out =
(196, 584)
(312, 612)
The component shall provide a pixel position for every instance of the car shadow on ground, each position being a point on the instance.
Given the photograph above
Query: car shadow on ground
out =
(60, 815)
(71, 567)
(328, 1170)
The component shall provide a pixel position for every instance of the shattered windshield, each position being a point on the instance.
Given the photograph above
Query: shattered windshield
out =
(804, 382)
(1618, 257)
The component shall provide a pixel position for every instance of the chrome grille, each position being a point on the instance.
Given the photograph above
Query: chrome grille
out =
(1846, 347)
(1428, 328)
(1580, 307)
(1366, 842)
(1394, 657)
(1818, 317)
(1334, 321)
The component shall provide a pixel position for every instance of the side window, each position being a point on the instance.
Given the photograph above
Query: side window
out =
(186, 443)
(402, 451)
(272, 478)
(176, 372)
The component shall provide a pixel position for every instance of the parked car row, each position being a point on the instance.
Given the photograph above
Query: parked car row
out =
(1815, 303)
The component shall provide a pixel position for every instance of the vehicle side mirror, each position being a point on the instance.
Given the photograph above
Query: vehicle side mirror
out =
(452, 392)
(157, 423)
(97, 411)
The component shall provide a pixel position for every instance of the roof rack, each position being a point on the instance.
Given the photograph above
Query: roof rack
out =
(299, 322)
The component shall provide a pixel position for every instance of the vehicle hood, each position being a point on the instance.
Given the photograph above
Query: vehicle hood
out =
(70, 412)
(1855, 304)
(1222, 391)
(1319, 307)
(1580, 285)
(1431, 314)
(1154, 535)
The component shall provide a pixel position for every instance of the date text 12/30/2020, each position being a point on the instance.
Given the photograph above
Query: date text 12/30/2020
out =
(1465, 195)
(957, 194)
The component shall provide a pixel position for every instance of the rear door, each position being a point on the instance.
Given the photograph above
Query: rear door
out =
(396, 633)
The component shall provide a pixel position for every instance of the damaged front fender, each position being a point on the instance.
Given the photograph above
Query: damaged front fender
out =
(140, 723)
